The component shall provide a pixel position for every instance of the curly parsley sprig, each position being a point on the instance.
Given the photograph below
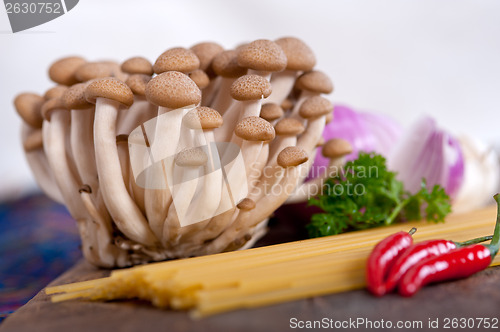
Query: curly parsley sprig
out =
(366, 194)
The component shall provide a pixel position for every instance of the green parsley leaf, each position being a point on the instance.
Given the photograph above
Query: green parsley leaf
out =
(366, 194)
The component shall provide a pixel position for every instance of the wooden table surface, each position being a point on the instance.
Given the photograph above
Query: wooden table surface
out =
(475, 297)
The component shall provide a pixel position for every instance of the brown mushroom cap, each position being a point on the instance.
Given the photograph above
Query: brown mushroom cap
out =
(314, 81)
(271, 112)
(191, 157)
(63, 70)
(203, 117)
(93, 70)
(33, 141)
(206, 52)
(287, 104)
(173, 89)
(137, 65)
(50, 106)
(289, 127)
(177, 59)
(137, 83)
(314, 107)
(55, 92)
(262, 55)
(28, 106)
(336, 147)
(299, 55)
(250, 87)
(292, 156)
(225, 64)
(109, 88)
(200, 78)
(246, 204)
(254, 128)
(74, 97)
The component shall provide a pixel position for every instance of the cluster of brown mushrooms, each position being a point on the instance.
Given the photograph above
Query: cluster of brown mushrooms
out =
(264, 96)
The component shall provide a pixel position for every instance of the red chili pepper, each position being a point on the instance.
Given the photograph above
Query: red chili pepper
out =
(421, 251)
(455, 264)
(382, 257)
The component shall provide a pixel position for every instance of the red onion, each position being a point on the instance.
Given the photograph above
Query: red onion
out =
(365, 131)
(427, 152)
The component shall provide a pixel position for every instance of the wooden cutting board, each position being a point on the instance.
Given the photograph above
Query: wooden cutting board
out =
(475, 297)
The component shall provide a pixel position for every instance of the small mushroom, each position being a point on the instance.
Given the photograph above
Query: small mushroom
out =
(271, 112)
(55, 92)
(314, 109)
(200, 78)
(311, 84)
(300, 58)
(225, 65)
(137, 65)
(287, 130)
(248, 91)
(28, 106)
(141, 110)
(262, 57)
(93, 70)
(63, 70)
(253, 131)
(108, 94)
(177, 59)
(335, 149)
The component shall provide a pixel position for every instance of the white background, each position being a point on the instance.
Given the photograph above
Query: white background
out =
(403, 58)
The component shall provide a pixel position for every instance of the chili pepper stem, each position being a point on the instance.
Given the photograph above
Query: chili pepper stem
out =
(412, 231)
(494, 245)
(474, 241)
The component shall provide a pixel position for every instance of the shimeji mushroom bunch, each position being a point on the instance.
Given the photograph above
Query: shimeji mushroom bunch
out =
(264, 96)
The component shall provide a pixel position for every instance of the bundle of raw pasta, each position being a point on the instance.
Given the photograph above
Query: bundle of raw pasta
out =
(262, 276)
(187, 156)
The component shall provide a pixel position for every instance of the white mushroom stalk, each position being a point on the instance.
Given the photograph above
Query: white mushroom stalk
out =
(335, 149)
(170, 91)
(290, 160)
(206, 52)
(55, 131)
(109, 94)
(37, 161)
(300, 58)
(225, 64)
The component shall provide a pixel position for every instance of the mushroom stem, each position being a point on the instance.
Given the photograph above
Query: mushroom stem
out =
(122, 208)
(282, 84)
(38, 164)
(209, 93)
(312, 134)
(222, 99)
(247, 219)
(140, 112)
(54, 133)
(314, 186)
(109, 254)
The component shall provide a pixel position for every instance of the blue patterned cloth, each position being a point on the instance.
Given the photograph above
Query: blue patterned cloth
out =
(38, 241)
